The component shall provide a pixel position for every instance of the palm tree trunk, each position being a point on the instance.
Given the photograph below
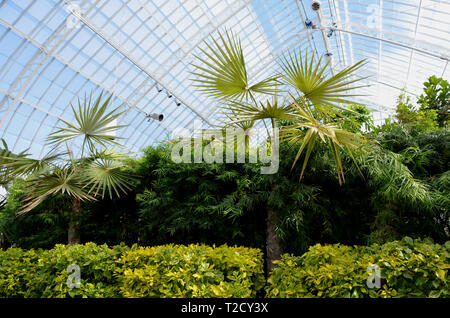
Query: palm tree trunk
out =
(273, 246)
(74, 223)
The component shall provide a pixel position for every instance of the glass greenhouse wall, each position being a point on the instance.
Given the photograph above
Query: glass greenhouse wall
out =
(141, 52)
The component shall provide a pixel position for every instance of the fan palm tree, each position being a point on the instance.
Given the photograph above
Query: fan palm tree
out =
(313, 102)
(96, 173)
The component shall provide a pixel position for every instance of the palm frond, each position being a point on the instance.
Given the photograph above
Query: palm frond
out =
(60, 180)
(269, 110)
(22, 165)
(222, 73)
(105, 174)
(309, 130)
(310, 79)
(92, 122)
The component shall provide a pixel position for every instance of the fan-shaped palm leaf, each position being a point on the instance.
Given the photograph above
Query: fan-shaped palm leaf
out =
(105, 174)
(223, 72)
(23, 166)
(92, 122)
(60, 180)
(308, 78)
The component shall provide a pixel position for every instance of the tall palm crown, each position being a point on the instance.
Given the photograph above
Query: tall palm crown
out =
(96, 172)
(314, 98)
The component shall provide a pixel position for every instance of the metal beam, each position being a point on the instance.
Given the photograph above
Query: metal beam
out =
(341, 38)
(415, 36)
(192, 44)
(21, 100)
(76, 69)
(274, 58)
(401, 44)
(445, 68)
(133, 60)
(31, 69)
(380, 43)
(214, 24)
(394, 42)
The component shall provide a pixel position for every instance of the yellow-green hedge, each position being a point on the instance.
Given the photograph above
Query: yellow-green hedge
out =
(43, 273)
(409, 268)
(119, 271)
(191, 271)
(17, 269)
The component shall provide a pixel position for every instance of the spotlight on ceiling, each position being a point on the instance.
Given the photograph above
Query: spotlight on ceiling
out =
(169, 94)
(315, 5)
(155, 116)
(177, 102)
(159, 89)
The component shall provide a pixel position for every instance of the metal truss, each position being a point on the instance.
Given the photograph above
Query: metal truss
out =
(116, 46)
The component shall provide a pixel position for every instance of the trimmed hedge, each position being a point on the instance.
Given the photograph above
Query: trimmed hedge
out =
(175, 271)
(43, 273)
(119, 271)
(409, 268)
(17, 269)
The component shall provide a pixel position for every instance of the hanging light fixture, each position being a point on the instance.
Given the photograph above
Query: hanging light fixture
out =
(155, 116)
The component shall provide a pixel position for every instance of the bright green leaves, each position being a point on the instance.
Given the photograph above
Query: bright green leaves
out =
(409, 268)
(173, 271)
(64, 180)
(43, 273)
(309, 129)
(248, 112)
(105, 174)
(417, 269)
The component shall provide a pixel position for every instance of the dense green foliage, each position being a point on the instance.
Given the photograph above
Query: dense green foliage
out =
(43, 227)
(403, 190)
(399, 186)
(173, 271)
(409, 268)
(47, 224)
(162, 271)
(436, 96)
(17, 269)
(99, 170)
(43, 273)
(187, 203)
(406, 113)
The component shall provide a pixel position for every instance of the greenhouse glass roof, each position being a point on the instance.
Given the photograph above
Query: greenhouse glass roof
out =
(52, 52)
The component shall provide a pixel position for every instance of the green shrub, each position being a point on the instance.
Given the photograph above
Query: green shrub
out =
(172, 271)
(409, 268)
(17, 270)
(162, 271)
(97, 264)
(43, 273)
